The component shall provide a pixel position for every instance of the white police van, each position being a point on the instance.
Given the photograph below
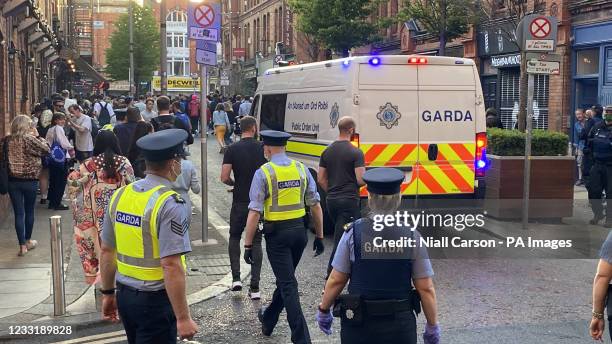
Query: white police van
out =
(424, 112)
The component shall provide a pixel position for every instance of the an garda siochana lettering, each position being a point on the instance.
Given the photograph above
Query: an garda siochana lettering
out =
(446, 116)
(128, 219)
(289, 184)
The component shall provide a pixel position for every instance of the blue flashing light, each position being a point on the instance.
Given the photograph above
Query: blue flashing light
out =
(481, 164)
(374, 61)
(346, 63)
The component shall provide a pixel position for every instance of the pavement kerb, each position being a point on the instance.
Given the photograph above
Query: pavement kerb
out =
(83, 320)
(225, 283)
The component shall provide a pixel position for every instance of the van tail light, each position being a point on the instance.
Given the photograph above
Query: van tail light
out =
(355, 140)
(481, 162)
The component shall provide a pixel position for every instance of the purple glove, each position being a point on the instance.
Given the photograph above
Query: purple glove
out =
(431, 334)
(325, 321)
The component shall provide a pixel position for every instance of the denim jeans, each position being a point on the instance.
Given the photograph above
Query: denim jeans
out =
(23, 198)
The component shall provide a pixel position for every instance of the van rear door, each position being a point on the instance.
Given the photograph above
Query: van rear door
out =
(388, 118)
(447, 129)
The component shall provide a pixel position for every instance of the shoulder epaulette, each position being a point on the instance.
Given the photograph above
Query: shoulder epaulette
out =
(178, 198)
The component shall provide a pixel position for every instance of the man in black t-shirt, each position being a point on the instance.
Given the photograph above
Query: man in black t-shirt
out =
(243, 158)
(340, 174)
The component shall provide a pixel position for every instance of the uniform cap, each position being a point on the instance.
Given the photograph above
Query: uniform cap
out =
(274, 138)
(383, 181)
(162, 145)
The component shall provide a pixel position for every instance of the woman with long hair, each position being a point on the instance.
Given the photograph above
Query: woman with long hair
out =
(24, 150)
(91, 187)
(134, 153)
(61, 152)
(221, 123)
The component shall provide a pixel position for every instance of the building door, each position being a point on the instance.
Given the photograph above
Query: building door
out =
(489, 90)
(586, 93)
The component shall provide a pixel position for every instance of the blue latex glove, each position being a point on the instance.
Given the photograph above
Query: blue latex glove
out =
(431, 334)
(325, 321)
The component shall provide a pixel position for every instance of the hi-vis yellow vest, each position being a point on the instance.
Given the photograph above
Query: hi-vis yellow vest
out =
(134, 217)
(286, 189)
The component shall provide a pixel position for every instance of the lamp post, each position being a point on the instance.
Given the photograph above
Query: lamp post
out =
(131, 32)
(163, 64)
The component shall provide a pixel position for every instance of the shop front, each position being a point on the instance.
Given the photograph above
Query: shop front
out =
(500, 76)
(178, 85)
(592, 67)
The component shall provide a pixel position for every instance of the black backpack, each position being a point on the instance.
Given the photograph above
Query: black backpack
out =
(104, 115)
(95, 128)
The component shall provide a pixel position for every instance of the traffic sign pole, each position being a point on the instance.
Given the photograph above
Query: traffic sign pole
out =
(527, 165)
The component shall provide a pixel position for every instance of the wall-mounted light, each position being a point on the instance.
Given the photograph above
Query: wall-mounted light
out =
(12, 51)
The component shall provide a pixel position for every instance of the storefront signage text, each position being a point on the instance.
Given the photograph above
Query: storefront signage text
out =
(506, 61)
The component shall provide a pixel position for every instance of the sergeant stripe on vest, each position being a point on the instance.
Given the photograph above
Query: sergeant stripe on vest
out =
(147, 261)
(275, 187)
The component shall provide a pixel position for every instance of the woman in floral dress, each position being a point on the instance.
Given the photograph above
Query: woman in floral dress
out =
(91, 188)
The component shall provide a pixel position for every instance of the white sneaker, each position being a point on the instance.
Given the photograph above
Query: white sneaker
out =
(254, 294)
(236, 286)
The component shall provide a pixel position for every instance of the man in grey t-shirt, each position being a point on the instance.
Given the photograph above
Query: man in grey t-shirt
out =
(82, 132)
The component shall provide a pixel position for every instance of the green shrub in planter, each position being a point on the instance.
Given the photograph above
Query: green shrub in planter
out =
(512, 142)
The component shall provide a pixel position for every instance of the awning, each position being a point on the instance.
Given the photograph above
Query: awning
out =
(27, 24)
(35, 37)
(42, 47)
(71, 54)
(49, 53)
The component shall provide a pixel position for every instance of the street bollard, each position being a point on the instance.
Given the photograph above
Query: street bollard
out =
(57, 266)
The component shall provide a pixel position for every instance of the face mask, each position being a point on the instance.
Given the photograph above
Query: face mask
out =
(172, 169)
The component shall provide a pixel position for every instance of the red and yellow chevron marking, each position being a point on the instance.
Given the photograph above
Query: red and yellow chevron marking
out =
(451, 173)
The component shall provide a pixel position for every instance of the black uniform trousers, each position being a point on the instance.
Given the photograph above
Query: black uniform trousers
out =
(238, 219)
(284, 247)
(147, 316)
(341, 211)
(389, 329)
(600, 180)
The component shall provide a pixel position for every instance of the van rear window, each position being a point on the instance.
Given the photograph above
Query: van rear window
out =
(273, 112)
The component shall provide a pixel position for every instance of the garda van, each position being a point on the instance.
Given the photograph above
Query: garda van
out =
(423, 112)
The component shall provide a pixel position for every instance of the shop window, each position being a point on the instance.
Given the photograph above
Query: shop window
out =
(608, 67)
(587, 62)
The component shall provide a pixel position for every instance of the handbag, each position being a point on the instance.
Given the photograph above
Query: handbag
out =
(4, 168)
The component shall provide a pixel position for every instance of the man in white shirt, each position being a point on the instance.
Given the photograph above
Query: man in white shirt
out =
(245, 107)
(104, 104)
(149, 111)
(140, 104)
(67, 100)
(82, 132)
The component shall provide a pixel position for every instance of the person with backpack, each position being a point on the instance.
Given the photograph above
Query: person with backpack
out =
(104, 112)
(82, 125)
(91, 187)
(165, 120)
(178, 113)
(194, 113)
(61, 151)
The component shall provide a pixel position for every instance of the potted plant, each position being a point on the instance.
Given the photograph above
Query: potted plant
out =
(551, 190)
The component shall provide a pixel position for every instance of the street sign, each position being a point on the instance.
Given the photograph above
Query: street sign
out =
(206, 45)
(543, 57)
(224, 82)
(278, 58)
(542, 67)
(540, 27)
(204, 21)
(224, 74)
(537, 33)
(206, 57)
(198, 33)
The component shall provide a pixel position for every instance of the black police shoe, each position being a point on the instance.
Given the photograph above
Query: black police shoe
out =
(264, 329)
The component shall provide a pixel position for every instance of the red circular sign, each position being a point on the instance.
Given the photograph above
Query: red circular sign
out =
(204, 15)
(540, 27)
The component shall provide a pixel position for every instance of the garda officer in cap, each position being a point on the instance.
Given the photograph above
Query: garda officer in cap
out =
(144, 239)
(381, 304)
(281, 190)
(601, 173)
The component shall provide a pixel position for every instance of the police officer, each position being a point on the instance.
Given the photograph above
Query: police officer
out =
(144, 239)
(587, 136)
(601, 172)
(281, 189)
(380, 306)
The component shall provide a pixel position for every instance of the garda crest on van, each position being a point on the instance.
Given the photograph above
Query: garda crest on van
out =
(334, 115)
(389, 115)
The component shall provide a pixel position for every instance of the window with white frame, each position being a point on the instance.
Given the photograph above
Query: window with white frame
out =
(178, 66)
(177, 43)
